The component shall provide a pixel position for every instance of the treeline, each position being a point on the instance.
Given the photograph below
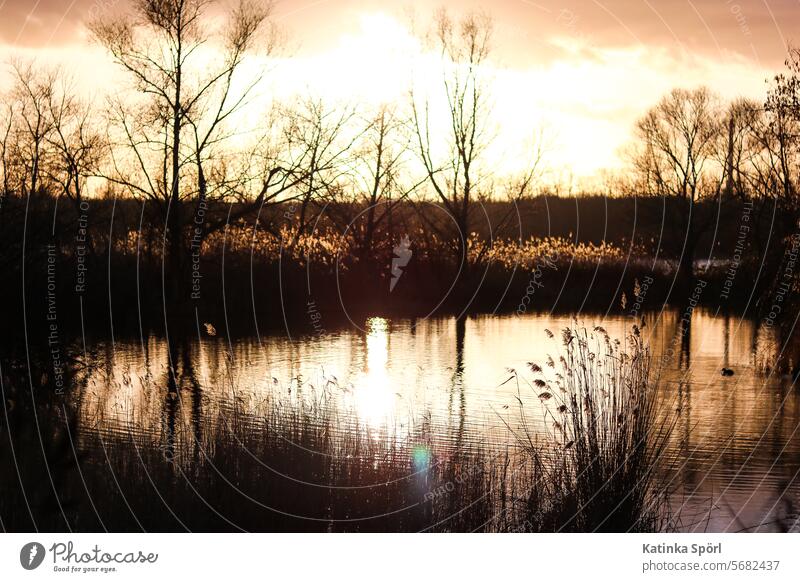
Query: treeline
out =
(107, 257)
(162, 176)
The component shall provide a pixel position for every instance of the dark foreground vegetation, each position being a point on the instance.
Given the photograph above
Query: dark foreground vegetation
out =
(299, 465)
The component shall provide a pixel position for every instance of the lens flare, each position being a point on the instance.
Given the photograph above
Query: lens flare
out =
(421, 457)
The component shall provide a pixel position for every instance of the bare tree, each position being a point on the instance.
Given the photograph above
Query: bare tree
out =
(320, 140)
(378, 180)
(32, 124)
(6, 161)
(76, 145)
(783, 108)
(678, 142)
(453, 169)
(740, 146)
(165, 133)
(752, 154)
(48, 140)
(215, 103)
(764, 172)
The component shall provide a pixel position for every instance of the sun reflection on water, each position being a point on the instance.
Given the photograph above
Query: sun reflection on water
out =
(374, 397)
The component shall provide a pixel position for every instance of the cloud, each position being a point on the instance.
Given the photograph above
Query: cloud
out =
(44, 23)
(581, 71)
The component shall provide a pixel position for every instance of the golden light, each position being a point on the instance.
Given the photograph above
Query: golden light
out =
(586, 97)
(373, 395)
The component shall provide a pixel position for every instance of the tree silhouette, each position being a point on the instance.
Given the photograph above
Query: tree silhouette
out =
(678, 141)
(166, 132)
(454, 171)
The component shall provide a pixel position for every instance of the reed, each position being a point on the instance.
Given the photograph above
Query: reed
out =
(598, 466)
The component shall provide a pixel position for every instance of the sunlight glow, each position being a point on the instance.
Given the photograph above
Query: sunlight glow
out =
(584, 101)
(583, 97)
(374, 397)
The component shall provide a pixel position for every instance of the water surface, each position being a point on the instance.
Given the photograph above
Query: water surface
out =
(734, 458)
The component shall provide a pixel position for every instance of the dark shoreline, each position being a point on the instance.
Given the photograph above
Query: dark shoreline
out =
(96, 257)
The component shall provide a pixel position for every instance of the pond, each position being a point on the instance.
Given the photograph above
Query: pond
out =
(733, 458)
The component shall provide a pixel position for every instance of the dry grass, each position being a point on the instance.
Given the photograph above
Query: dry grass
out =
(597, 467)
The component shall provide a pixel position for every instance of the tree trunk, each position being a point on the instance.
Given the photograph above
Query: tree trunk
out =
(686, 267)
(175, 225)
(463, 231)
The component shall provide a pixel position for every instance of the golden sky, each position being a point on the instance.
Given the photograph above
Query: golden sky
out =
(583, 70)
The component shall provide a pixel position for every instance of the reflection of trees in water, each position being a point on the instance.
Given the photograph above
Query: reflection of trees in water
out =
(685, 411)
(776, 350)
(685, 326)
(40, 462)
(457, 387)
(676, 351)
(749, 439)
(726, 341)
(180, 376)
